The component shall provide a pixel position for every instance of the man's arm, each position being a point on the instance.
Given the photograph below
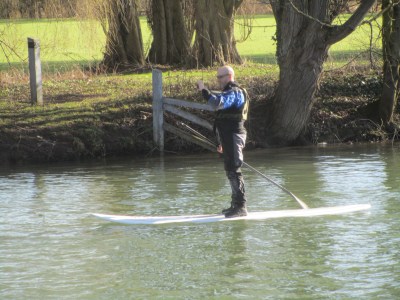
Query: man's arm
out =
(222, 100)
(213, 99)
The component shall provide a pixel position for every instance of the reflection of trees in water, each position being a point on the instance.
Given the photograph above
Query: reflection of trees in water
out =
(390, 237)
(282, 256)
(392, 167)
(322, 257)
(100, 186)
(235, 261)
(359, 248)
(293, 169)
(180, 186)
(299, 256)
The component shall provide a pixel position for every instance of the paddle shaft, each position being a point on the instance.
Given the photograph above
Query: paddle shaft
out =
(208, 141)
(302, 204)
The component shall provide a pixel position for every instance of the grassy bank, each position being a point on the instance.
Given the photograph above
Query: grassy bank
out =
(89, 115)
(104, 116)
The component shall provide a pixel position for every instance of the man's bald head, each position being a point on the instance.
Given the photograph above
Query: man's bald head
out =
(225, 74)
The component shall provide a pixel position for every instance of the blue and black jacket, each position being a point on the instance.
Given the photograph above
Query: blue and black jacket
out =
(231, 107)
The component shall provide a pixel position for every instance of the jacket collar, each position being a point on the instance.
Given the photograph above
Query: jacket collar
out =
(230, 85)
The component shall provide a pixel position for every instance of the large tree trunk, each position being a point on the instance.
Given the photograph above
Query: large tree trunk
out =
(170, 37)
(391, 56)
(304, 35)
(215, 42)
(124, 37)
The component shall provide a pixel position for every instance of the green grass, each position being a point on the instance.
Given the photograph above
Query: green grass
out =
(67, 43)
(64, 42)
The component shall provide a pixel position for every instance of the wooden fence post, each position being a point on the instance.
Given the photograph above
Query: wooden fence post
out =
(35, 70)
(158, 113)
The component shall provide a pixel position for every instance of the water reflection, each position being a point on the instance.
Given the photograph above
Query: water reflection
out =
(50, 245)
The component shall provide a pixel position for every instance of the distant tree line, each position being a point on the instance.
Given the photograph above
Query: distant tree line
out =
(11, 9)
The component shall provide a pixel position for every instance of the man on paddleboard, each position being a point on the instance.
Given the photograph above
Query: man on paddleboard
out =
(231, 112)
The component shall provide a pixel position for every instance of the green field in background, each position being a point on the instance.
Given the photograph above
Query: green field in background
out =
(66, 43)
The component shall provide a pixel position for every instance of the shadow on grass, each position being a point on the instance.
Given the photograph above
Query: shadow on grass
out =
(60, 67)
(101, 111)
(345, 55)
(336, 56)
(52, 67)
(64, 98)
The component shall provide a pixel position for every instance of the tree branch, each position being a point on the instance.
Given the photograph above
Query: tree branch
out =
(238, 3)
(374, 18)
(338, 33)
(309, 16)
(12, 50)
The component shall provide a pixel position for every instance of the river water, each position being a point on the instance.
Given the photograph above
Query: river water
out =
(51, 248)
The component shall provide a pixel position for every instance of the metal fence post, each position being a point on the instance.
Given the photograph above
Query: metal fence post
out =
(35, 70)
(158, 113)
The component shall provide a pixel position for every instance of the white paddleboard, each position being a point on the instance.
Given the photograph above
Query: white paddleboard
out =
(311, 212)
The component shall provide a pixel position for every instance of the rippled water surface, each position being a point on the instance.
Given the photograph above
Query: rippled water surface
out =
(51, 248)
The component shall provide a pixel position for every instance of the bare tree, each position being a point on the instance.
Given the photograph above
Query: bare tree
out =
(391, 56)
(124, 45)
(304, 35)
(215, 42)
(171, 38)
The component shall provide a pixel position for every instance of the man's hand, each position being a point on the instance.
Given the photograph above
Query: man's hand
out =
(219, 149)
(200, 85)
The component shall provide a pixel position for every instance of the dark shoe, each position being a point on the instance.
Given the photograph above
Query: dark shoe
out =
(237, 212)
(227, 210)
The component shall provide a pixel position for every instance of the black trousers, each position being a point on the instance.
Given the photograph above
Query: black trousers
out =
(233, 142)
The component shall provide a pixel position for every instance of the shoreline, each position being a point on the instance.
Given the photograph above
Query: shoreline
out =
(87, 130)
